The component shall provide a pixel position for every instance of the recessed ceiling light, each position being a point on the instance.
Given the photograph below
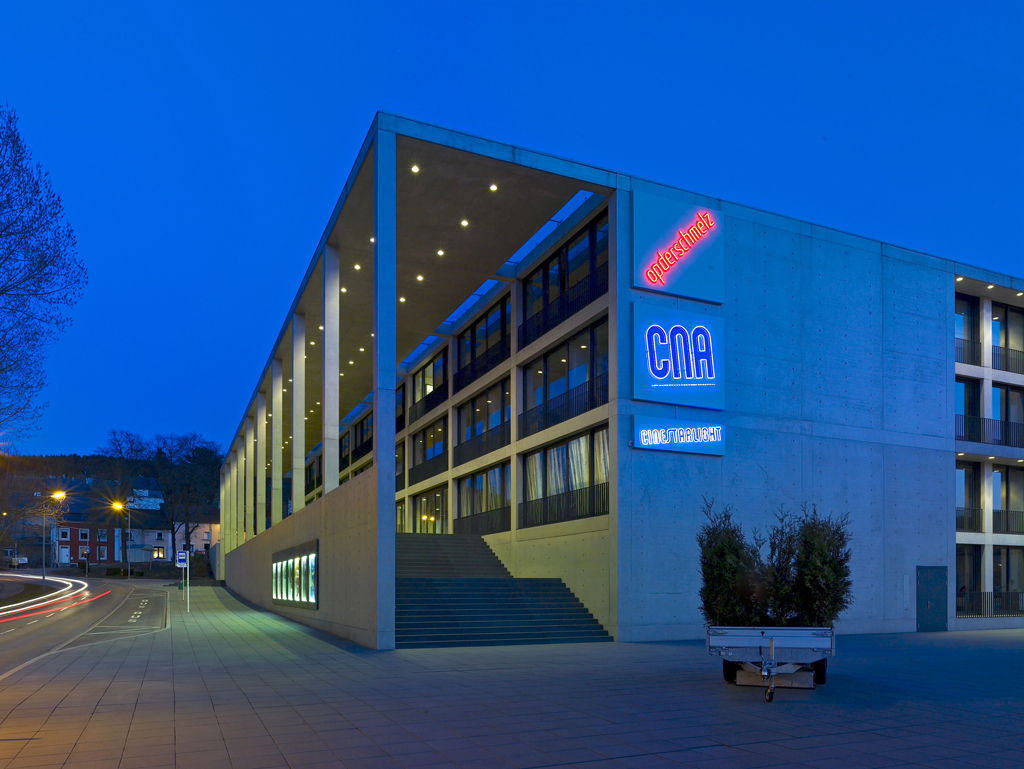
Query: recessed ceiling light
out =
(1020, 293)
(317, 403)
(342, 374)
(583, 347)
(289, 380)
(415, 169)
(344, 290)
(991, 457)
(311, 341)
(995, 317)
(358, 267)
(351, 363)
(960, 454)
(401, 299)
(465, 223)
(959, 279)
(321, 328)
(494, 188)
(373, 240)
(993, 285)
(441, 253)
(362, 349)
(419, 277)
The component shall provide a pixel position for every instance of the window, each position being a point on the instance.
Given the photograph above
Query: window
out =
(966, 318)
(344, 450)
(488, 410)
(102, 553)
(158, 552)
(584, 254)
(101, 535)
(400, 522)
(432, 511)
(83, 535)
(581, 359)
(83, 552)
(65, 535)
(159, 536)
(968, 496)
(486, 490)
(400, 405)
(364, 430)
(1008, 404)
(487, 333)
(431, 376)
(577, 463)
(429, 443)
(968, 569)
(399, 464)
(206, 536)
(1007, 569)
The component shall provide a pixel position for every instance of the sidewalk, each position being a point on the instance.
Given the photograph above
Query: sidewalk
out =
(227, 686)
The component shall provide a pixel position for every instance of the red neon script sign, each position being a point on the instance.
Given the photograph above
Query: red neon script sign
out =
(687, 239)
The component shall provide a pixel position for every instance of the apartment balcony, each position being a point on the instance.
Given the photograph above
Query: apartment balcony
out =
(1006, 359)
(968, 351)
(428, 469)
(362, 449)
(1007, 521)
(488, 522)
(431, 401)
(991, 431)
(480, 365)
(576, 401)
(570, 506)
(968, 519)
(998, 604)
(565, 306)
(484, 443)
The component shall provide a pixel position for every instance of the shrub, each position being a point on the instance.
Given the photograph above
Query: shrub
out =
(805, 581)
(732, 586)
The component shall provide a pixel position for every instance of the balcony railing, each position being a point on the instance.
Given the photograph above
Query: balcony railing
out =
(481, 364)
(343, 462)
(428, 469)
(431, 401)
(998, 604)
(1008, 521)
(578, 400)
(484, 443)
(589, 289)
(570, 506)
(362, 449)
(968, 351)
(1006, 359)
(968, 519)
(991, 431)
(489, 522)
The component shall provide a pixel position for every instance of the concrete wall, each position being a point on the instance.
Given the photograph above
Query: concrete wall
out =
(577, 552)
(839, 391)
(345, 522)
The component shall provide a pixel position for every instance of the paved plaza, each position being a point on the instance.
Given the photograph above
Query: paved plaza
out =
(229, 686)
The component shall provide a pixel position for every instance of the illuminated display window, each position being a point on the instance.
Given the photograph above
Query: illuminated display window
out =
(294, 576)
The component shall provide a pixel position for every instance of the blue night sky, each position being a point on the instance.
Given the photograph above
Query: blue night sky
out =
(200, 148)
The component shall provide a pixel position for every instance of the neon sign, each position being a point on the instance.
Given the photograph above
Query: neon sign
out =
(687, 239)
(678, 435)
(678, 245)
(674, 357)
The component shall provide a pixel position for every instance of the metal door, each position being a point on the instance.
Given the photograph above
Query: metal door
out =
(931, 599)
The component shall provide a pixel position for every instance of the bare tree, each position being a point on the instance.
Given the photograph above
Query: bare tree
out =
(188, 469)
(40, 277)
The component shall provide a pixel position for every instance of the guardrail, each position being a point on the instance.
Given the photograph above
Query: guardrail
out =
(487, 522)
(996, 604)
(967, 351)
(1007, 359)
(430, 401)
(480, 365)
(578, 400)
(992, 431)
(968, 519)
(428, 469)
(588, 290)
(1008, 521)
(484, 443)
(570, 506)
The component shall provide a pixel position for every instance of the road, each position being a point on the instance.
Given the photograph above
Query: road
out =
(103, 612)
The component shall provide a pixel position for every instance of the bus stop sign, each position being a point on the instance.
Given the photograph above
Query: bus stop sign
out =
(182, 559)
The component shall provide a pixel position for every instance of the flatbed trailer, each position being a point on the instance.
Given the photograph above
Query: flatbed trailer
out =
(787, 657)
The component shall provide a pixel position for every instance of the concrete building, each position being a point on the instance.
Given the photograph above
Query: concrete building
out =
(565, 360)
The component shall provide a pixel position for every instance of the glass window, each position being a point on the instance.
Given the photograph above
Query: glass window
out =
(400, 400)
(600, 359)
(552, 281)
(484, 412)
(345, 447)
(579, 463)
(400, 516)
(432, 511)
(579, 359)
(556, 480)
(601, 456)
(485, 491)
(968, 568)
(576, 464)
(400, 459)
(601, 241)
(534, 383)
(534, 476)
(83, 535)
(578, 258)
(556, 364)
(429, 442)
(533, 293)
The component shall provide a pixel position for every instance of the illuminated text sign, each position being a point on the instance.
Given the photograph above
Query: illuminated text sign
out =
(678, 435)
(687, 239)
(677, 357)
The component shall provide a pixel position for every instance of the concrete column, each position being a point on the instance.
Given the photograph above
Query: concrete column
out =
(620, 422)
(986, 521)
(231, 527)
(276, 442)
(250, 476)
(330, 400)
(298, 390)
(385, 304)
(239, 483)
(260, 462)
(223, 523)
(515, 389)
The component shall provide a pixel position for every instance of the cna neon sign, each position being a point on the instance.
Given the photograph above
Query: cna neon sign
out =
(688, 238)
(689, 354)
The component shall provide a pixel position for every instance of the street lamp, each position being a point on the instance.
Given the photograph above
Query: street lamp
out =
(58, 497)
(121, 507)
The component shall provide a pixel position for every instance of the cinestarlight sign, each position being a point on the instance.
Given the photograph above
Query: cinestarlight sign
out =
(678, 435)
(677, 357)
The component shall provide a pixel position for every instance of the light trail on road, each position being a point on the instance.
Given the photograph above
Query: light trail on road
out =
(62, 608)
(57, 597)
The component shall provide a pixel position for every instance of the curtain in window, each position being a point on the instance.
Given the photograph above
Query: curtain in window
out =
(601, 456)
(579, 463)
(493, 489)
(556, 471)
(466, 497)
(478, 493)
(534, 477)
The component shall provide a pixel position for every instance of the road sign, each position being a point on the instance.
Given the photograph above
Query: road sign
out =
(182, 559)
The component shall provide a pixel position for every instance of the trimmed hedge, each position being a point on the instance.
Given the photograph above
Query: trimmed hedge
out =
(804, 581)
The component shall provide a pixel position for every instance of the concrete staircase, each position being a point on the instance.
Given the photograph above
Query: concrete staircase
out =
(451, 590)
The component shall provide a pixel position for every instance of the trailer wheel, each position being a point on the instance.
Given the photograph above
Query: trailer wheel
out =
(769, 694)
(820, 669)
(729, 671)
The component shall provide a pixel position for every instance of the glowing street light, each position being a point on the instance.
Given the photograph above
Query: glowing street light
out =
(121, 507)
